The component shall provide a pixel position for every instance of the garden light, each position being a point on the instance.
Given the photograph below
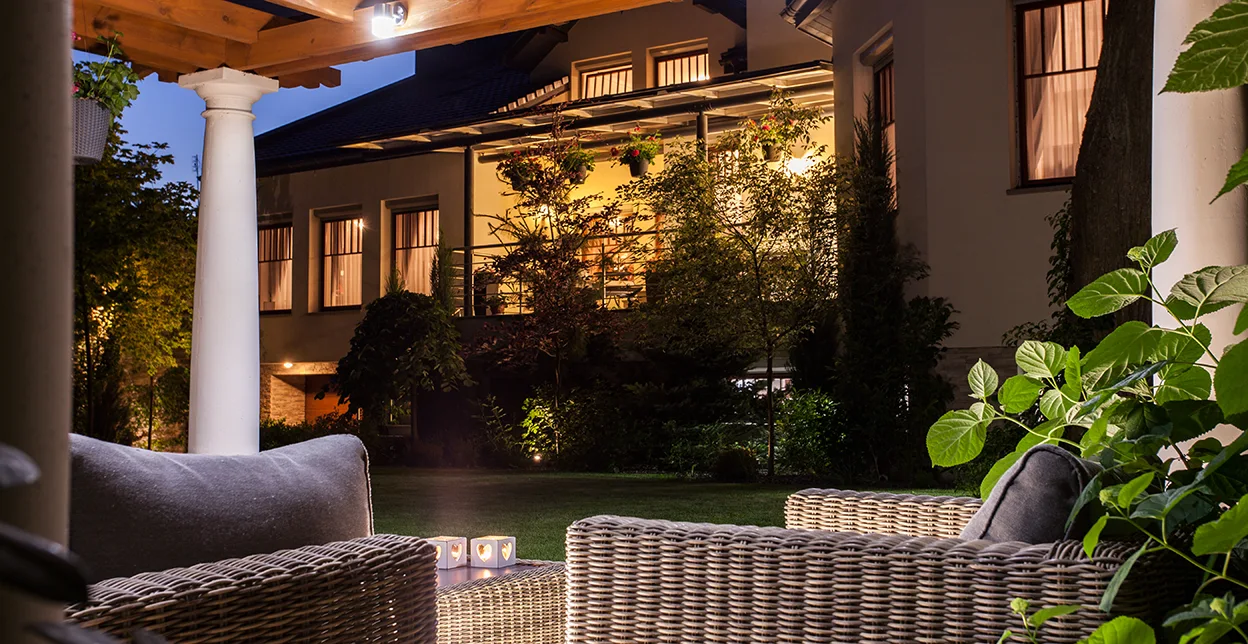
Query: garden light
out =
(452, 551)
(493, 552)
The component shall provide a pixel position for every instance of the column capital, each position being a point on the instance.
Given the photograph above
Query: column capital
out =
(226, 88)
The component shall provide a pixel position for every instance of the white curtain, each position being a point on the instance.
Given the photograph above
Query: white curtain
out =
(1062, 45)
(276, 265)
(415, 245)
(343, 261)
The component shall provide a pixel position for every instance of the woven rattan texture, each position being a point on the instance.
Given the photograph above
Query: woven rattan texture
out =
(373, 589)
(876, 513)
(526, 607)
(635, 580)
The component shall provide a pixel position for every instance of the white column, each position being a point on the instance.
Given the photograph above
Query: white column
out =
(36, 256)
(1196, 139)
(225, 336)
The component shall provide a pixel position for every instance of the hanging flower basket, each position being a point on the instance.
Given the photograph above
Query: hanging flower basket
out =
(638, 166)
(639, 151)
(771, 153)
(91, 124)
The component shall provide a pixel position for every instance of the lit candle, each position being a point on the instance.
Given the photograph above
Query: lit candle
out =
(493, 551)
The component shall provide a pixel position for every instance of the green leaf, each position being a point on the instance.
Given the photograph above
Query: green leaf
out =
(1019, 393)
(1180, 309)
(1133, 488)
(1047, 432)
(1045, 614)
(1090, 491)
(1109, 293)
(1073, 388)
(1093, 537)
(1192, 418)
(1055, 406)
(1111, 592)
(1131, 344)
(1218, 56)
(1094, 437)
(1206, 633)
(1177, 346)
(1191, 384)
(1223, 534)
(1156, 250)
(983, 380)
(1122, 630)
(1241, 322)
(956, 438)
(996, 472)
(1230, 381)
(1041, 359)
(1212, 288)
(1236, 176)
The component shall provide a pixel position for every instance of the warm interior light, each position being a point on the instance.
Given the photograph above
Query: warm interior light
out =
(799, 165)
(438, 551)
(537, 458)
(387, 16)
(457, 551)
(505, 550)
(485, 551)
(288, 364)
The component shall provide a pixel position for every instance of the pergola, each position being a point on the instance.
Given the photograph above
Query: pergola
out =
(231, 52)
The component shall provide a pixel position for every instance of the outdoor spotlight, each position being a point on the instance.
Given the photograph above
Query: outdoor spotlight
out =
(387, 16)
(288, 364)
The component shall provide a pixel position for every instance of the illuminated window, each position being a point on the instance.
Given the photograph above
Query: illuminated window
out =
(341, 283)
(415, 244)
(688, 67)
(1059, 45)
(276, 264)
(605, 82)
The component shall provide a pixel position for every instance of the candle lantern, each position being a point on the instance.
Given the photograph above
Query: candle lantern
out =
(493, 552)
(452, 551)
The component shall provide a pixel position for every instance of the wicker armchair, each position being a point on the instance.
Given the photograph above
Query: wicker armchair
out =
(907, 579)
(372, 589)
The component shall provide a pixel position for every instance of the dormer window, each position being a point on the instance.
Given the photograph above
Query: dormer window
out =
(687, 67)
(605, 82)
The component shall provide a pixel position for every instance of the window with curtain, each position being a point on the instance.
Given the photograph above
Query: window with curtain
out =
(604, 82)
(885, 109)
(688, 67)
(415, 244)
(1059, 45)
(276, 265)
(343, 254)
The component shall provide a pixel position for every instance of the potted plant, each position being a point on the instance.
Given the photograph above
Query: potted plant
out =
(519, 170)
(496, 303)
(482, 280)
(102, 89)
(578, 163)
(771, 134)
(639, 151)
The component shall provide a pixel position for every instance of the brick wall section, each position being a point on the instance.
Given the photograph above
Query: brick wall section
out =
(957, 363)
(282, 390)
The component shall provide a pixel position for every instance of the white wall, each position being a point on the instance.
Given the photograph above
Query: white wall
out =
(774, 42)
(987, 244)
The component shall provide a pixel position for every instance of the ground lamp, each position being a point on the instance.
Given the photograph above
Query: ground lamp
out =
(493, 552)
(452, 552)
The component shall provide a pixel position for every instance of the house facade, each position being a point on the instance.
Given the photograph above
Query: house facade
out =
(984, 100)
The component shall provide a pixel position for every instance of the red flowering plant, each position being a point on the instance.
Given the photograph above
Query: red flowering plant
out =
(110, 82)
(783, 125)
(640, 147)
(519, 170)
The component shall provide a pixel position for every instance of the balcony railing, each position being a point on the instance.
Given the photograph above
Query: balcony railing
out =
(618, 276)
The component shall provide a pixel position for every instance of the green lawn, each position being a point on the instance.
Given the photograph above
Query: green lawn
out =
(537, 508)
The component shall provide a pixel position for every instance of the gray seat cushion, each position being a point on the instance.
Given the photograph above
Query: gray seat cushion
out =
(134, 511)
(1033, 499)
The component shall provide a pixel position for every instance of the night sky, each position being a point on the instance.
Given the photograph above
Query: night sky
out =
(167, 113)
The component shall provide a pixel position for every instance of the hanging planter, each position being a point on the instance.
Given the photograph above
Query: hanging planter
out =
(638, 152)
(578, 163)
(519, 170)
(771, 153)
(102, 90)
(92, 122)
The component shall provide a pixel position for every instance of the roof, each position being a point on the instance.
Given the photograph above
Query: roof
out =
(415, 103)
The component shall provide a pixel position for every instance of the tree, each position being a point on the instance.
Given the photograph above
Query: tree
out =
(134, 270)
(405, 344)
(763, 231)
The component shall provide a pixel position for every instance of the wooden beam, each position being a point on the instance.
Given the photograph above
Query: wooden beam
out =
(145, 35)
(213, 17)
(339, 11)
(328, 77)
(429, 24)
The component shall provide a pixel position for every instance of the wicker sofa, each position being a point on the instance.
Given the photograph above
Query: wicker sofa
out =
(851, 567)
(379, 588)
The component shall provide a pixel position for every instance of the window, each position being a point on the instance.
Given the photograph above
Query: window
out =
(1059, 46)
(343, 241)
(276, 264)
(688, 67)
(415, 244)
(885, 109)
(604, 82)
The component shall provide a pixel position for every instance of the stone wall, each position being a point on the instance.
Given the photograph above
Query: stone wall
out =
(283, 389)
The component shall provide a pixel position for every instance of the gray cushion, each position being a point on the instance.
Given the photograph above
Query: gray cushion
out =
(133, 511)
(1033, 499)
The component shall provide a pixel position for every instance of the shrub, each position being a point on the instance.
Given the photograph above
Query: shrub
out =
(806, 432)
(735, 465)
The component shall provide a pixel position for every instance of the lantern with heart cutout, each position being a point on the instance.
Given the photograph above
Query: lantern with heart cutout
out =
(493, 552)
(452, 551)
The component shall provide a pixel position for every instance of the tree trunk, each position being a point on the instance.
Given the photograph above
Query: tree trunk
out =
(1111, 200)
(88, 367)
(771, 416)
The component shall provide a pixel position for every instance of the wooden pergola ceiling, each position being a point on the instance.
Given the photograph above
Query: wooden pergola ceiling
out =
(174, 37)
